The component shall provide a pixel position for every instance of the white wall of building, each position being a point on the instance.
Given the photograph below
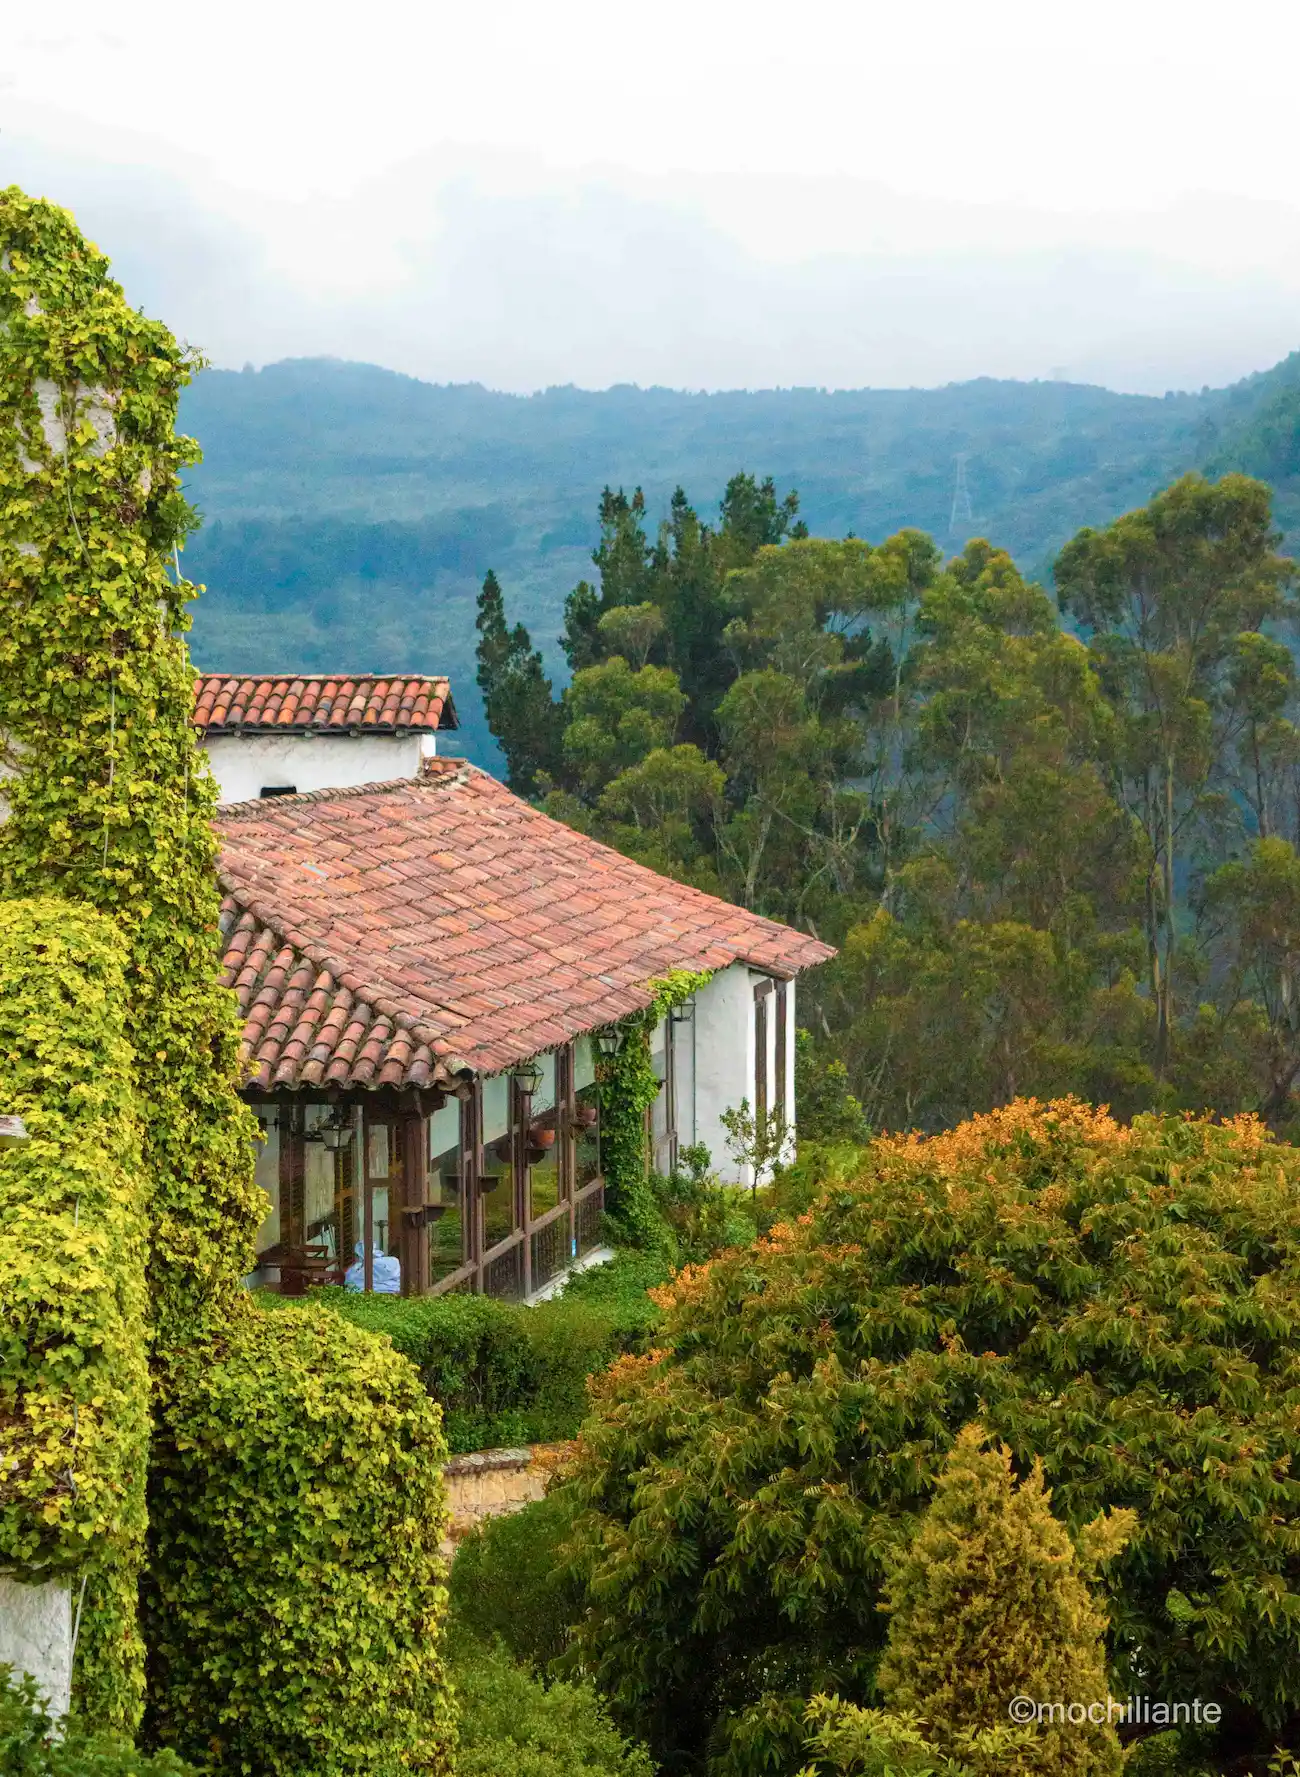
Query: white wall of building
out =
(723, 1064)
(246, 764)
(724, 1049)
(36, 1637)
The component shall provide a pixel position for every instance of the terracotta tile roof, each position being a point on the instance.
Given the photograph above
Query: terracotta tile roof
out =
(321, 703)
(398, 934)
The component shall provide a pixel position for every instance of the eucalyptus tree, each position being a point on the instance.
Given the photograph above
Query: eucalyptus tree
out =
(1165, 593)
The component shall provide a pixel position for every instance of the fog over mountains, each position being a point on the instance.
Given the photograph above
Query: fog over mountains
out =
(533, 321)
(474, 265)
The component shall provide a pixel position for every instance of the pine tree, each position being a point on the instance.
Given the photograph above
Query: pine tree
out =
(989, 1604)
(524, 718)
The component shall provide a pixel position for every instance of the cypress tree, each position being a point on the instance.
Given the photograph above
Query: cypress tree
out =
(990, 1604)
(523, 716)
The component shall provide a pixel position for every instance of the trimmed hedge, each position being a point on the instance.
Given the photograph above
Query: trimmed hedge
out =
(294, 1595)
(504, 1374)
(74, 1385)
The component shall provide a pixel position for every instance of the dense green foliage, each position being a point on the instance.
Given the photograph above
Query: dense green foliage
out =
(1122, 1303)
(29, 1747)
(351, 513)
(1053, 863)
(511, 1725)
(512, 1582)
(628, 1087)
(501, 1373)
(294, 1591)
(74, 1384)
(110, 802)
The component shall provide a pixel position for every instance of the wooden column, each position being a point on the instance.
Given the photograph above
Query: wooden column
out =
(413, 1248)
(520, 1112)
(471, 1172)
(293, 1166)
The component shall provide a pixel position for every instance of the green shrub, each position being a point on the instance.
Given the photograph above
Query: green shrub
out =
(511, 1725)
(1123, 1302)
(1163, 1755)
(703, 1216)
(294, 1594)
(502, 1373)
(621, 1283)
(74, 1386)
(510, 1581)
(990, 1603)
(28, 1747)
(844, 1739)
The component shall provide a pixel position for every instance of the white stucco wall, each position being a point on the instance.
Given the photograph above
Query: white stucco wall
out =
(36, 1637)
(724, 1046)
(724, 1062)
(245, 764)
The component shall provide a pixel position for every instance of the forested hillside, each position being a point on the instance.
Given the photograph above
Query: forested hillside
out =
(350, 513)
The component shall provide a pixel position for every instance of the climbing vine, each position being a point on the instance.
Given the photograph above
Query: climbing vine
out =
(111, 799)
(628, 1088)
(74, 1384)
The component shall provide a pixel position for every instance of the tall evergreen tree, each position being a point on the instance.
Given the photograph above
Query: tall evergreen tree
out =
(525, 720)
(990, 1604)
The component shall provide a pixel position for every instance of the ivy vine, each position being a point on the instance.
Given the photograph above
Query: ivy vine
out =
(628, 1087)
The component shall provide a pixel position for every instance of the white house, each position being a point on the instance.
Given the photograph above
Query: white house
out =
(428, 968)
(276, 734)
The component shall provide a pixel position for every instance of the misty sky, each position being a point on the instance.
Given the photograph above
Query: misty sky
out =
(711, 194)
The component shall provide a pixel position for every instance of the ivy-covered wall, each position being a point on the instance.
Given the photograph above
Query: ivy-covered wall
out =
(74, 1383)
(111, 799)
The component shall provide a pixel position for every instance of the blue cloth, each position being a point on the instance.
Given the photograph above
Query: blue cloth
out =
(386, 1272)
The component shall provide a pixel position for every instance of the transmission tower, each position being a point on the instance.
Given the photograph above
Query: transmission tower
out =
(962, 520)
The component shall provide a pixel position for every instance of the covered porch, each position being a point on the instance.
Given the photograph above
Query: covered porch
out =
(494, 1187)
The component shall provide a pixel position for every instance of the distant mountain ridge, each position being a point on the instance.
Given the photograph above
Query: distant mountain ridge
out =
(350, 512)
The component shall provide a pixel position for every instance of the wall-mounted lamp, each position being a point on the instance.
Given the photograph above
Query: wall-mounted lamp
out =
(609, 1041)
(527, 1078)
(683, 1014)
(335, 1132)
(12, 1131)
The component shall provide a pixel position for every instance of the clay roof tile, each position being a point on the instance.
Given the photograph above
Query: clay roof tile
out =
(309, 702)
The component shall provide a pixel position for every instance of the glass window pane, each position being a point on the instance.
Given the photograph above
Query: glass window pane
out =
(543, 1142)
(586, 1143)
(266, 1173)
(320, 1180)
(447, 1232)
(498, 1174)
(584, 1063)
(377, 1154)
